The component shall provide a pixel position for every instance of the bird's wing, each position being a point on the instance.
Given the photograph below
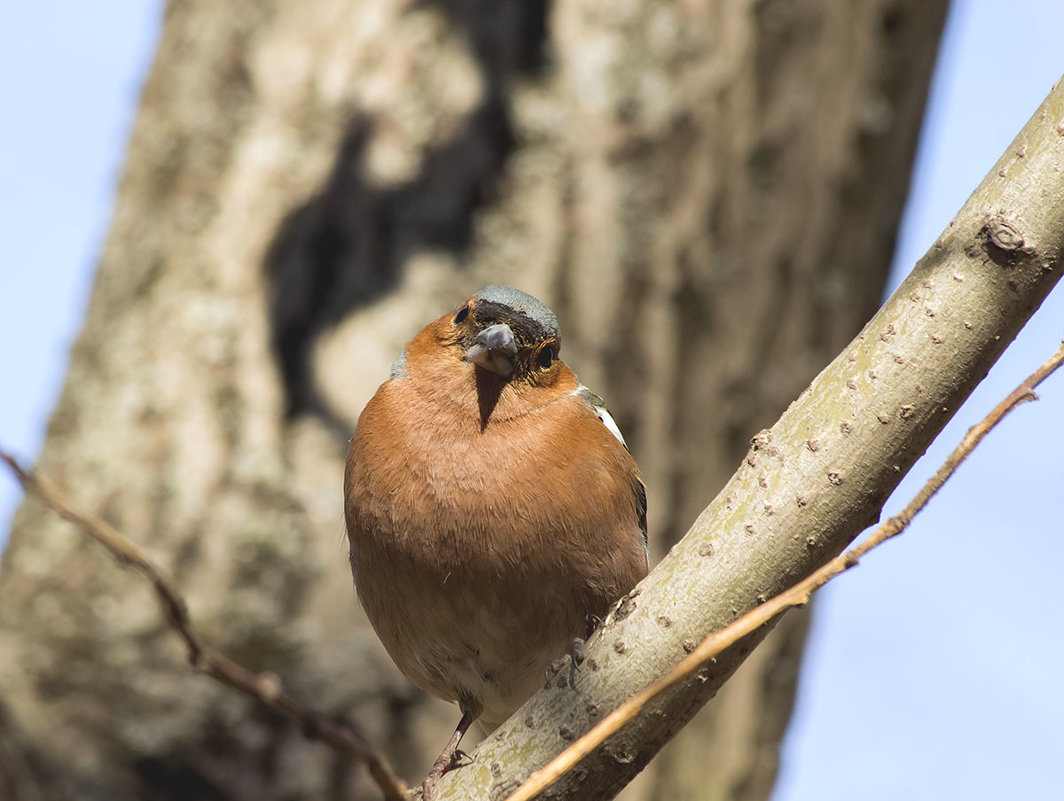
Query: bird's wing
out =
(598, 406)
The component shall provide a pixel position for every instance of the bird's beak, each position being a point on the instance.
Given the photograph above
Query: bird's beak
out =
(494, 349)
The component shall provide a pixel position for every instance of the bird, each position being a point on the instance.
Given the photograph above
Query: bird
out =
(493, 510)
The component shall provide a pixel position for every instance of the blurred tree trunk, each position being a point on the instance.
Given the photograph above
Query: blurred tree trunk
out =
(707, 194)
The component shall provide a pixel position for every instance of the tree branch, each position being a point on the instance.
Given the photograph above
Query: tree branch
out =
(809, 485)
(265, 687)
(798, 595)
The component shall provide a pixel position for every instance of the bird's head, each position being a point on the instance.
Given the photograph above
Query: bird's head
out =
(507, 333)
(502, 343)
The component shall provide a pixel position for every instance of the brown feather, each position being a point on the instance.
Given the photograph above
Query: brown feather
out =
(487, 520)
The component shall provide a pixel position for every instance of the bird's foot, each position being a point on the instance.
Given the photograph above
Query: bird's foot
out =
(442, 765)
(576, 658)
(450, 757)
(428, 786)
(552, 670)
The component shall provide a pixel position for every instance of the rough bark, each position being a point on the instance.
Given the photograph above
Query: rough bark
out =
(706, 194)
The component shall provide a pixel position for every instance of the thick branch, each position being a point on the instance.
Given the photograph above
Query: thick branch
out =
(798, 595)
(810, 484)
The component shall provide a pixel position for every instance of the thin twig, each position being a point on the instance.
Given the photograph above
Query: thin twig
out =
(265, 687)
(797, 595)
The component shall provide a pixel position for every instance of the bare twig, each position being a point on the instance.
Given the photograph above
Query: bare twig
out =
(265, 687)
(798, 595)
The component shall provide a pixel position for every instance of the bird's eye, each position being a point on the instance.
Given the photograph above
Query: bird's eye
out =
(460, 317)
(545, 358)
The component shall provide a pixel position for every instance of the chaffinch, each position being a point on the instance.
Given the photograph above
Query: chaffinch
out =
(493, 509)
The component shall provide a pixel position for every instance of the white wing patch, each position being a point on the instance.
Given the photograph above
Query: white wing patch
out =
(599, 407)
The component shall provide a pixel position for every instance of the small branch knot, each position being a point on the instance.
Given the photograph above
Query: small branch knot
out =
(1003, 234)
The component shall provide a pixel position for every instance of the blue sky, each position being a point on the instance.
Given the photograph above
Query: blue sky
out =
(933, 668)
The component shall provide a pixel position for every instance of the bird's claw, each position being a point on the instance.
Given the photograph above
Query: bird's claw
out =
(576, 658)
(552, 669)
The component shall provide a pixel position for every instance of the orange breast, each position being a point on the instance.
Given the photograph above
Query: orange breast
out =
(480, 551)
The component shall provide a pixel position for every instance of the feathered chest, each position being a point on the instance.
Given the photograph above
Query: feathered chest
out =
(425, 477)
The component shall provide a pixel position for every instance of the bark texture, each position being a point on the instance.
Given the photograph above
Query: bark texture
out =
(706, 194)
